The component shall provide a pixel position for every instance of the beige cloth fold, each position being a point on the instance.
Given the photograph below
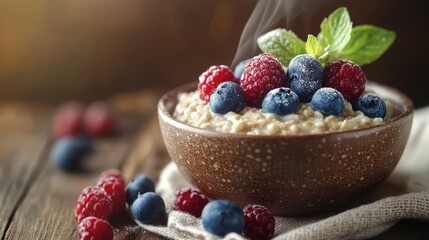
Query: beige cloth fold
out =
(405, 195)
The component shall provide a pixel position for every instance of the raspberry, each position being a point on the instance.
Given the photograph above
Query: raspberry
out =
(99, 120)
(259, 222)
(93, 201)
(210, 79)
(347, 77)
(112, 173)
(262, 74)
(190, 200)
(67, 120)
(92, 228)
(113, 184)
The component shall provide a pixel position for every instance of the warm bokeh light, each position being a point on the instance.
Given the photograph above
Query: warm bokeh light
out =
(60, 50)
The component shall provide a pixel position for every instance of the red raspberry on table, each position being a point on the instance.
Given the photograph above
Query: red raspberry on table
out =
(347, 77)
(93, 201)
(99, 120)
(210, 79)
(68, 120)
(262, 74)
(190, 200)
(113, 183)
(92, 228)
(259, 223)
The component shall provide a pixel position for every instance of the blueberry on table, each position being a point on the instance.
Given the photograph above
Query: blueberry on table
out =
(305, 76)
(139, 185)
(69, 152)
(221, 217)
(328, 101)
(149, 208)
(228, 97)
(371, 105)
(280, 101)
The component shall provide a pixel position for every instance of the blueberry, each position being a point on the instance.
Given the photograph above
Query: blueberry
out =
(228, 97)
(239, 69)
(139, 185)
(221, 217)
(280, 101)
(69, 152)
(305, 76)
(149, 208)
(328, 101)
(371, 105)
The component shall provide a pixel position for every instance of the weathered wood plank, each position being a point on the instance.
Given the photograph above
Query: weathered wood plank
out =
(24, 136)
(47, 210)
(148, 156)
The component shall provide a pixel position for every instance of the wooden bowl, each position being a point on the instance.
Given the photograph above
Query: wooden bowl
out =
(290, 175)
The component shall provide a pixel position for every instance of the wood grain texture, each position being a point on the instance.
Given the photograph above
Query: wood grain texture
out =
(24, 137)
(47, 211)
(43, 208)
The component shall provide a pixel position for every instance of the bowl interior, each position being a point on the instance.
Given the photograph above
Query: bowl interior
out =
(400, 106)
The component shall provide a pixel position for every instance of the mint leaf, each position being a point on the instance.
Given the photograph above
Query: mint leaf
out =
(336, 30)
(282, 44)
(313, 46)
(367, 44)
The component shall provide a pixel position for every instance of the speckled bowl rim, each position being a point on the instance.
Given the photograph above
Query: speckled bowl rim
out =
(405, 103)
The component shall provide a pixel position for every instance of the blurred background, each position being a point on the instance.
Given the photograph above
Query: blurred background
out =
(57, 50)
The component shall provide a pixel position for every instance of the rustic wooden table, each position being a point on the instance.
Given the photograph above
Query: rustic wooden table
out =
(37, 200)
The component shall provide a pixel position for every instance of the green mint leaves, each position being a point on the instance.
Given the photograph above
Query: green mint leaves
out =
(282, 44)
(336, 30)
(337, 40)
(313, 46)
(367, 44)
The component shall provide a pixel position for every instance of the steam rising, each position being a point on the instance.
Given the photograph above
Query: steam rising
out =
(265, 16)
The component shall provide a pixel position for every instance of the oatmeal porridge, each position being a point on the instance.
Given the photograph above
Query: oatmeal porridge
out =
(252, 121)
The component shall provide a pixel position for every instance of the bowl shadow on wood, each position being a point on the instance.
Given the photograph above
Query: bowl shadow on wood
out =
(290, 175)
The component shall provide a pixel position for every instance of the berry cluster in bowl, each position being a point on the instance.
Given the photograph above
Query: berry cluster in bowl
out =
(317, 84)
(264, 84)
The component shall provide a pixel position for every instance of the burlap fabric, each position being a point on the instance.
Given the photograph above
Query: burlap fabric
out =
(405, 195)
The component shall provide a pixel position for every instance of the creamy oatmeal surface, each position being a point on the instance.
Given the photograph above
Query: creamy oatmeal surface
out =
(192, 111)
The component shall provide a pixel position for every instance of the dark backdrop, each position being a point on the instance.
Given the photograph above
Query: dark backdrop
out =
(58, 50)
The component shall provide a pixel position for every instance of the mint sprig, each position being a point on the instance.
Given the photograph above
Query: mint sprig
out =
(367, 44)
(337, 40)
(282, 44)
(314, 48)
(336, 31)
